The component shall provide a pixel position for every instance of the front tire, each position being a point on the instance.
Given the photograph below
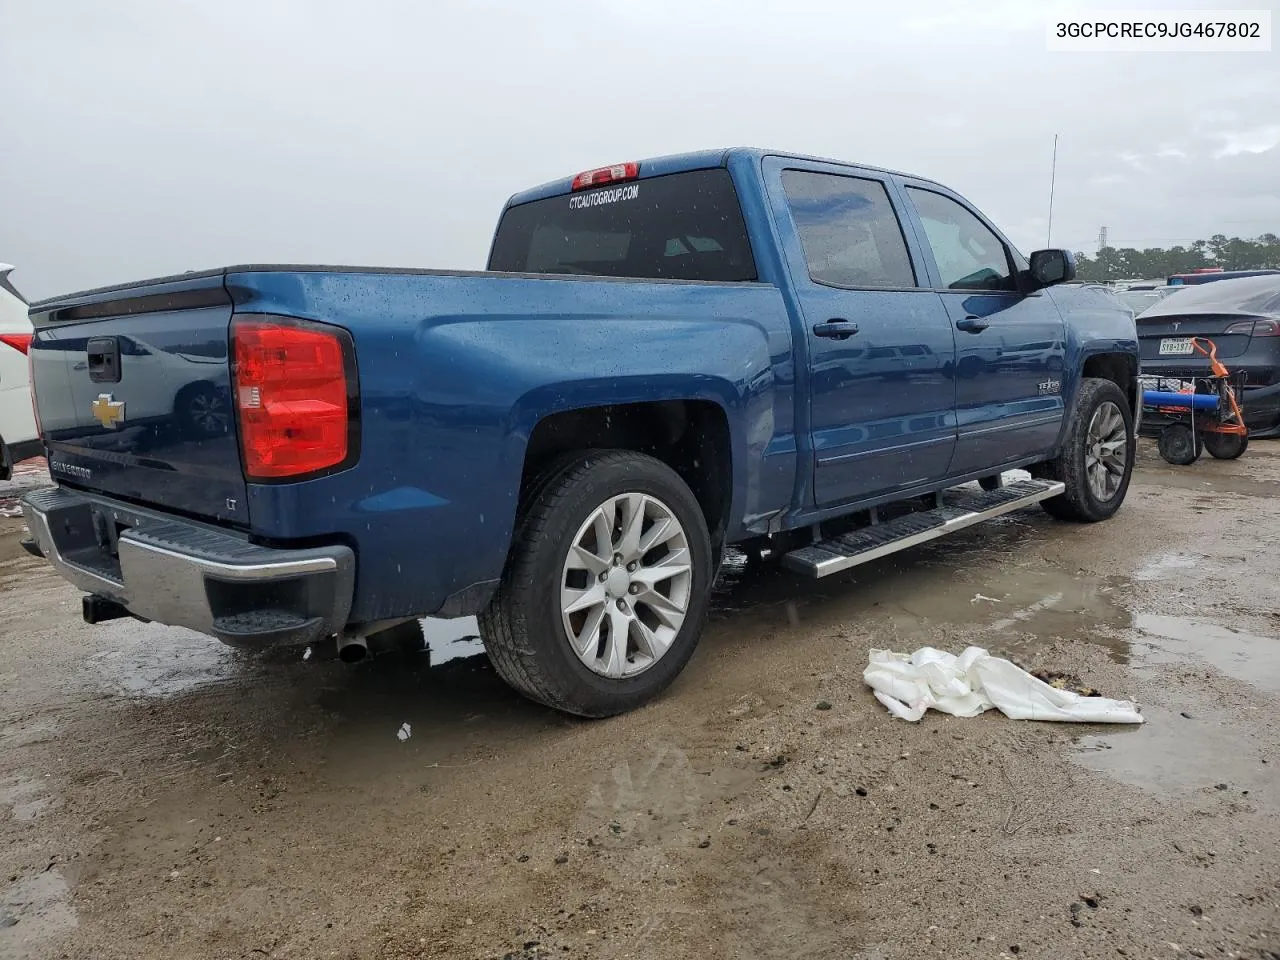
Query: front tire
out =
(606, 587)
(1097, 455)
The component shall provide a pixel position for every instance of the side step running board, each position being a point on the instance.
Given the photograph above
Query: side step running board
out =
(961, 509)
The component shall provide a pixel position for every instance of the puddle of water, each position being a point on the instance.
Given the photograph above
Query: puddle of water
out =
(149, 660)
(452, 639)
(1171, 754)
(1040, 604)
(1012, 606)
(1157, 567)
(1251, 659)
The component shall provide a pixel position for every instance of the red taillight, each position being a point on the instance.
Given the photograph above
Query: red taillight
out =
(614, 174)
(295, 396)
(1255, 328)
(19, 341)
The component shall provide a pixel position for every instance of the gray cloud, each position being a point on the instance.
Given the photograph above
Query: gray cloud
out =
(153, 136)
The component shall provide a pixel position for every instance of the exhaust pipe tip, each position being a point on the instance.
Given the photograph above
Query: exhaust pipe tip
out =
(353, 649)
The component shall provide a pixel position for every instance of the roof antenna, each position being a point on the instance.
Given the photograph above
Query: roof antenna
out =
(1053, 176)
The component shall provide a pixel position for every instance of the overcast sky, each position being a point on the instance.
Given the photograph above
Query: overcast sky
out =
(148, 137)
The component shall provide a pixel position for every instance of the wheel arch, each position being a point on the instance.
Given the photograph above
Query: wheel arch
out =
(692, 436)
(1121, 368)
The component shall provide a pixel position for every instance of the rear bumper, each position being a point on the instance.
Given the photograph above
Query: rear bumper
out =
(187, 574)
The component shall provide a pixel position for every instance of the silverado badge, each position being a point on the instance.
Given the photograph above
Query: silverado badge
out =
(108, 411)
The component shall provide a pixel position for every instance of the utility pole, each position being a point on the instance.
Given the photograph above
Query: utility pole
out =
(1053, 176)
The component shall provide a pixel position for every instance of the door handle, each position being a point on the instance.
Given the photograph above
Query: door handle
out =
(972, 324)
(835, 329)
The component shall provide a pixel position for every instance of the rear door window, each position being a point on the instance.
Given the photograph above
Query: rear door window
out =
(683, 226)
(850, 234)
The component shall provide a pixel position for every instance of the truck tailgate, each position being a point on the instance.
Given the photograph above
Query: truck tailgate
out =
(133, 391)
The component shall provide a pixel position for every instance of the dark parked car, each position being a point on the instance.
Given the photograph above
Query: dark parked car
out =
(1242, 318)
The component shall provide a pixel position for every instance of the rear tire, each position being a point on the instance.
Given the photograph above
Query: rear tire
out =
(1097, 455)
(1179, 444)
(1226, 446)
(561, 635)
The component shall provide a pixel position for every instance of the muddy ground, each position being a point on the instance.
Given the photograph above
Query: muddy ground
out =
(164, 797)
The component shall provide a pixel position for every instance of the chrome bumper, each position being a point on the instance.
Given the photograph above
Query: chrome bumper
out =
(187, 574)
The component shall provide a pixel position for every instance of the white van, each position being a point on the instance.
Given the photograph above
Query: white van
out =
(19, 437)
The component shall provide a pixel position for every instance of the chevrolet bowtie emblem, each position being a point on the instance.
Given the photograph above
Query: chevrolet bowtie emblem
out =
(108, 411)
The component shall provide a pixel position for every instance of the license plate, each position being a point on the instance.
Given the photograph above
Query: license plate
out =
(1176, 347)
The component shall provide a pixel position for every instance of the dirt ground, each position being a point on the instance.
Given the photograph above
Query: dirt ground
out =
(162, 796)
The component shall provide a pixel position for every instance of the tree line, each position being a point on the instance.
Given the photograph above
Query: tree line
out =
(1128, 263)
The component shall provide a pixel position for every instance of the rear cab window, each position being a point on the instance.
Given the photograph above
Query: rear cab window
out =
(681, 226)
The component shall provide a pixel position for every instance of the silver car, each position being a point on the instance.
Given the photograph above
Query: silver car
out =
(1141, 297)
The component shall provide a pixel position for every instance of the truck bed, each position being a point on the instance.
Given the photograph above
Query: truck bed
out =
(446, 403)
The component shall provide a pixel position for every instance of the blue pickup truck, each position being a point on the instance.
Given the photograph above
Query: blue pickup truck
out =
(811, 360)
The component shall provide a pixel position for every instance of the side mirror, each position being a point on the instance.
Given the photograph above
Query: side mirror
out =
(1052, 266)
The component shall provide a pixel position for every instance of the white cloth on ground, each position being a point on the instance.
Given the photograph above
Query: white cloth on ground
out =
(974, 682)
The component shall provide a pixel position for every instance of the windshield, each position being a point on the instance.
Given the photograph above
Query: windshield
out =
(684, 226)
